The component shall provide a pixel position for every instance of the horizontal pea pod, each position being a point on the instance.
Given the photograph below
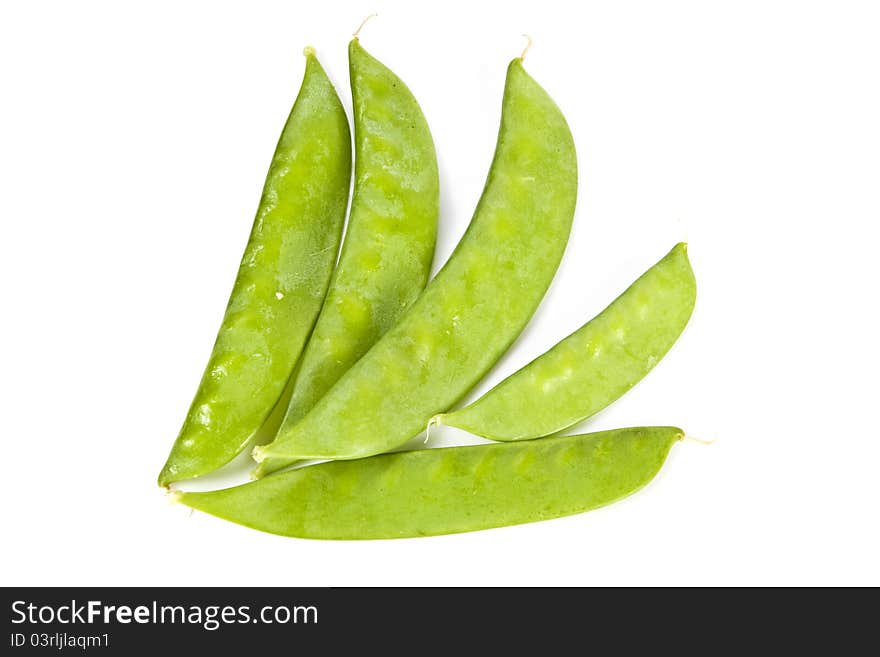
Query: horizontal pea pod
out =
(444, 491)
(477, 305)
(593, 366)
(280, 286)
(389, 243)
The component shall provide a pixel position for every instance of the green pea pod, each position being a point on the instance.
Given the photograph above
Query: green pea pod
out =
(280, 286)
(476, 306)
(444, 491)
(389, 243)
(593, 366)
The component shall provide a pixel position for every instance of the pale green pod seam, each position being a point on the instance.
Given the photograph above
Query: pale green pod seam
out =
(593, 366)
(280, 286)
(431, 492)
(477, 305)
(389, 242)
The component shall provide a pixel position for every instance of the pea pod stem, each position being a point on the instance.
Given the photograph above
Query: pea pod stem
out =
(357, 32)
(526, 49)
(700, 441)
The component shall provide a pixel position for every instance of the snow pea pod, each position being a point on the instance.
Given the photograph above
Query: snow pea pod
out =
(389, 243)
(593, 366)
(443, 491)
(280, 286)
(474, 308)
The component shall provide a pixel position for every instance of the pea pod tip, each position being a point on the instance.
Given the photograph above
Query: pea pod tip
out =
(165, 478)
(309, 51)
(258, 472)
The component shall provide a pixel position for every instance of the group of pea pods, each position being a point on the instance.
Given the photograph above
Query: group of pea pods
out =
(370, 353)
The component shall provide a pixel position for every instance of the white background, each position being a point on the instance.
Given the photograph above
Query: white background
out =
(133, 144)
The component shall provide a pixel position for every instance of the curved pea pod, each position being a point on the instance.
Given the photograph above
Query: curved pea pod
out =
(280, 286)
(474, 308)
(593, 366)
(444, 491)
(389, 243)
